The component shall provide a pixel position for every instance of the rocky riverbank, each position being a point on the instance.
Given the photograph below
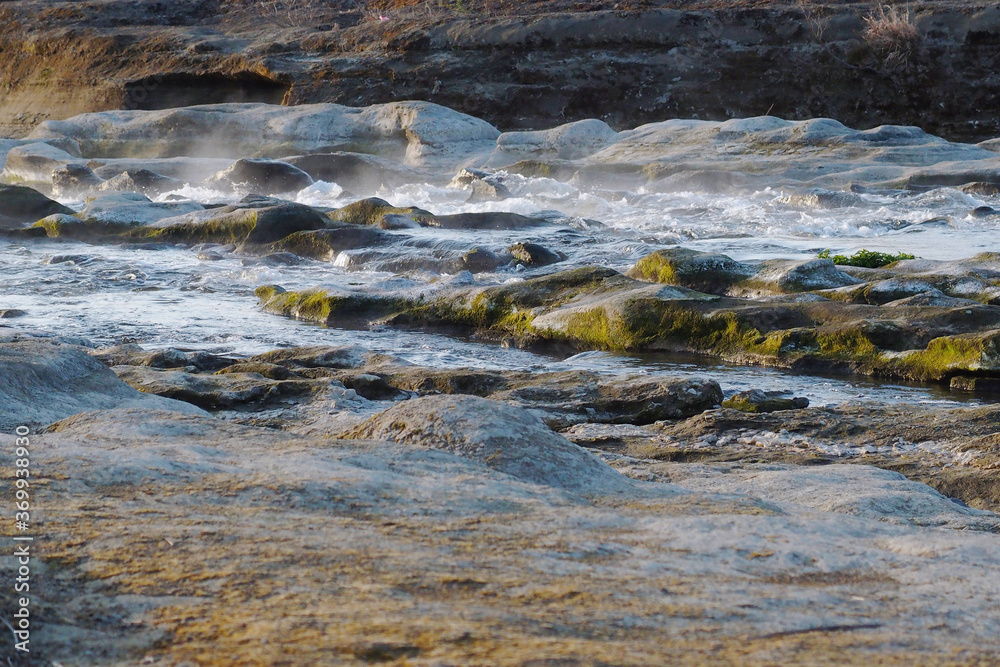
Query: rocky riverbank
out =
(463, 529)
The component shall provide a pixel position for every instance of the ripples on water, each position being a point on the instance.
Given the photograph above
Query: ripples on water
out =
(168, 297)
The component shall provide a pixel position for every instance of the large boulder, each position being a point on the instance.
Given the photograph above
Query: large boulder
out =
(356, 172)
(74, 179)
(808, 276)
(252, 221)
(260, 176)
(20, 204)
(575, 397)
(419, 133)
(133, 209)
(42, 382)
(143, 181)
(504, 437)
(35, 163)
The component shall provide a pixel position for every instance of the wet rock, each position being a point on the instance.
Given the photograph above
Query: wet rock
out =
(213, 392)
(325, 244)
(397, 221)
(420, 380)
(532, 254)
(816, 274)
(882, 292)
(131, 209)
(281, 259)
(79, 260)
(143, 181)
(181, 168)
(485, 186)
(704, 272)
(42, 382)
(313, 357)
(487, 220)
(131, 354)
(261, 176)
(369, 386)
(209, 256)
(984, 385)
(984, 212)
(371, 212)
(270, 371)
(954, 450)
(247, 223)
(573, 397)
(357, 172)
(982, 189)
(73, 179)
(23, 204)
(479, 260)
(506, 438)
(11, 313)
(757, 400)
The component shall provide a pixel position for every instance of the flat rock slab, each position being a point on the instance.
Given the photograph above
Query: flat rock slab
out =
(41, 382)
(258, 546)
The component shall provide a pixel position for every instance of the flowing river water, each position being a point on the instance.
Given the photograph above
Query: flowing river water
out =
(169, 297)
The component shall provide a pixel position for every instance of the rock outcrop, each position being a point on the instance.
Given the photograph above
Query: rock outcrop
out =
(41, 382)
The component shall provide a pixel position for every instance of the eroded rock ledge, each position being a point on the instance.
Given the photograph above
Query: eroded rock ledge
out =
(538, 67)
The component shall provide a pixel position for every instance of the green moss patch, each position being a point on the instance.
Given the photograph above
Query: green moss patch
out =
(867, 258)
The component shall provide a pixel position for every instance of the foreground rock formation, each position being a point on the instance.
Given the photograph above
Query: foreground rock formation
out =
(439, 539)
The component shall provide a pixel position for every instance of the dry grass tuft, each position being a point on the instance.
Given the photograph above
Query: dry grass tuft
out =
(891, 32)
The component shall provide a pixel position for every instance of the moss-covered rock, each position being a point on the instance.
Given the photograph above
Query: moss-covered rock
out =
(325, 244)
(756, 400)
(593, 308)
(239, 224)
(701, 271)
(370, 212)
(951, 355)
(333, 309)
(65, 226)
